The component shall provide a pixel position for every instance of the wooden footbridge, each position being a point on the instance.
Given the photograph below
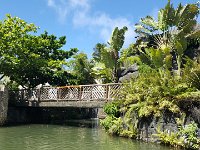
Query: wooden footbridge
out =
(88, 96)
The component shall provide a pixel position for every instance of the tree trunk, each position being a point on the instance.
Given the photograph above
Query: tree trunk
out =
(179, 61)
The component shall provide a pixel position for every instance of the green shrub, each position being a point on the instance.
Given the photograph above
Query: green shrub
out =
(151, 93)
(117, 126)
(107, 122)
(186, 137)
(112, 108)
(170, 138)
(189, 133)
(194, 77)
(129, 134)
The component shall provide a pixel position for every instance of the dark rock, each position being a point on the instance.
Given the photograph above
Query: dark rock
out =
(127, 74)
(128, 77)
(195, 113)
(131, 69)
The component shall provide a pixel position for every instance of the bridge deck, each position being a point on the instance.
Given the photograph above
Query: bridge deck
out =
(83, 104)
(95, 95)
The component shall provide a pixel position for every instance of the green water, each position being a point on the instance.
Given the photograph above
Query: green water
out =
(62, 137)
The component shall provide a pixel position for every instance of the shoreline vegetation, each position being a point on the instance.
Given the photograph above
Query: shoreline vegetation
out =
(160, 100)
(164, 110)
(167, 85)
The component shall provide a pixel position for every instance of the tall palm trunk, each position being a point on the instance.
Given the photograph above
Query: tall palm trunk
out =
(116, 67)
(179, 61)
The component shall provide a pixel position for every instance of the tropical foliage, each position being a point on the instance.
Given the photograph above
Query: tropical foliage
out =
(81, 70)
(168, 75)
(107, 57)
(174, 30)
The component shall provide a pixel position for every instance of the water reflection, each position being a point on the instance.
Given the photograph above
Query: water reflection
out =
(57, 137)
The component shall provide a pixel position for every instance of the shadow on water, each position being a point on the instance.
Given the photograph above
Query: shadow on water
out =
(83, 123)
(70, 116)
(87, 123)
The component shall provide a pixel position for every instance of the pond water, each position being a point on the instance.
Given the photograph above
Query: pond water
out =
(65, 137)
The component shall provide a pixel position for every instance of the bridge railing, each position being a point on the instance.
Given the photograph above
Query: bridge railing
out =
(101, 92)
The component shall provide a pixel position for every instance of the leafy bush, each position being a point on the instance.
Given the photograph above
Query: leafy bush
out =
(186, 137)
(108, 122)
(112, 108)
(192, 74)
(189, 133)
(170, 138)
(117, 126)
(129, 134)
(111, 123)
(152, 92)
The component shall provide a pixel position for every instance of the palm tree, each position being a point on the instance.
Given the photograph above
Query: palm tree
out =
(172, 29)
(106, 57)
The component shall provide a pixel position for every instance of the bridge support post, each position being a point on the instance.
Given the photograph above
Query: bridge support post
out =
(3, 104)
(101, 114)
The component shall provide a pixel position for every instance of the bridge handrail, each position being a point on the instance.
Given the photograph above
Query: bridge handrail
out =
(89, 85)
(90, 92)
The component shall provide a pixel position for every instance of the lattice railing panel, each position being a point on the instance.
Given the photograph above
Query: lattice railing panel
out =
(52, 93)
(63, 93)
(99, 92)
(24, 95)
(49, 93)
(73, 93)
(114, 90)
(44, 94)
(86, 93)
(32, 94)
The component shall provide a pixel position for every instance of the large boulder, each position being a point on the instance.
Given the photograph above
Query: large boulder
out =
(128, 73)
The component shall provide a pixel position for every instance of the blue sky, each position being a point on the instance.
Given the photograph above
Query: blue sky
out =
(84, 22)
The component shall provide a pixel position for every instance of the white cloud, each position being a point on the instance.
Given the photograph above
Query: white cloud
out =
(51, 3)
(99, 22)
(79, 3)
(105, 24)
(61, 8)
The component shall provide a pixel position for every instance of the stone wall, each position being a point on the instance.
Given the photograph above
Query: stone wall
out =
(3, 104)
(148, 127)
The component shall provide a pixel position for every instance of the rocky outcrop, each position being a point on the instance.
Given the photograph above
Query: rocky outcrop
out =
(128, 73)
(148, 126)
